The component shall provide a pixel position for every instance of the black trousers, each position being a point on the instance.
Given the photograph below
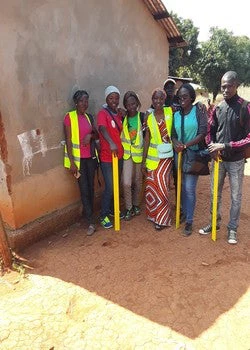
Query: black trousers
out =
(86, 185)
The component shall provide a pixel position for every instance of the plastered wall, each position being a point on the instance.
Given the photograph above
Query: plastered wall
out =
(48, 50)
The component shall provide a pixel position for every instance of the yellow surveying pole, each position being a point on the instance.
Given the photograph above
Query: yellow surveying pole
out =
(116, 191)
(178, 195)
(215, 198)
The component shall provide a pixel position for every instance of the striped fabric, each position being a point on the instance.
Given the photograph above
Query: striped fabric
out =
(158, 188)
(157, 193)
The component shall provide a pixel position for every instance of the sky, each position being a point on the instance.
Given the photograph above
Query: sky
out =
(213, 13)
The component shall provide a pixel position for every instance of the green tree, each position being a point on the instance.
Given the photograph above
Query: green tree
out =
(223, 52)
(182, 60)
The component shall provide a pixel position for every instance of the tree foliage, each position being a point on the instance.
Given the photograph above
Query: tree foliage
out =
(181, 60)
(206, 62)
(223, 52)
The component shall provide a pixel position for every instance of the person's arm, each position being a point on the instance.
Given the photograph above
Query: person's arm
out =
(103, 130)
(146, 144)
(201, 112)
(73, 168)
(235, 144)
(102, 124)
(145, 150)
(178, 145)
(240, 143)
(245, 141)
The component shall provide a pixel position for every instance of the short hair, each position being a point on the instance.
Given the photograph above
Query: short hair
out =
(163, 92)
(79, 94)
(190, 89)
(131, 94)
(232, 76)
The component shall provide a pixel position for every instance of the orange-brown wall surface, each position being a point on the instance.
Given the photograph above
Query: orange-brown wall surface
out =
(48, 50)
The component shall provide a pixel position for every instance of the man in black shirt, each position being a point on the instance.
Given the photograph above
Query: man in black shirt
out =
(229, 133)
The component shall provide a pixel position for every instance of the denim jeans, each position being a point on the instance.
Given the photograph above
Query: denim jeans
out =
(86, 185)
(188, 195)
(107, 203)
(235, 171)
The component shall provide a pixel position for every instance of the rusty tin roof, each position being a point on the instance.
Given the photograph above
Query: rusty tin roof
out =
(162, 16)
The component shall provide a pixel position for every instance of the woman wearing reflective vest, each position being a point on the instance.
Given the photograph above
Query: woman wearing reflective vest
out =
(80, 154)
(109, 122)
(132, 141)
(158, 161)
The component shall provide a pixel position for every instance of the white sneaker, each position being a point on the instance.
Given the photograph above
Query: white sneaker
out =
(207, 229)
(91, 229)
(232, 236)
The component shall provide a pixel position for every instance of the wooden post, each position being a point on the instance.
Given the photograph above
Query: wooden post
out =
(4, 247)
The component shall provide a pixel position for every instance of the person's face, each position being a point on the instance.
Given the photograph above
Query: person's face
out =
(184, 98)
(131, 105)
(113, 101)
(82, 104)
(169, 88)
(228, 88)
(158, 100)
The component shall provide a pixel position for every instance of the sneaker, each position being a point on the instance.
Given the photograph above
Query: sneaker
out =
(122, 215)
(232, 236)
(187, 229)
(106, 223)
(91, 229)
(128, 214)
(207, 229)
(136, 210)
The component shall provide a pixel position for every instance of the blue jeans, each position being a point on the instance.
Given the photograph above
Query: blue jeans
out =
(107, 203)
(188, 195)
(235, 171)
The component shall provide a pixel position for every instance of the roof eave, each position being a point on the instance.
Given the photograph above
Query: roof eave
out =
(162, 16)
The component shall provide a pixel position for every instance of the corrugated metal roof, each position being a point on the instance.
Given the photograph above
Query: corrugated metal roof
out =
(161, 15)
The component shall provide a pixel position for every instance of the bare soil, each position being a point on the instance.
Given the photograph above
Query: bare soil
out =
(184, 283)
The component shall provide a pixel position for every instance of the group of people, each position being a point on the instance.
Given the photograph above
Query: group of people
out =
(147, 147)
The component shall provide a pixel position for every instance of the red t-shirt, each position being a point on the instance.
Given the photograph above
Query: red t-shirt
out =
(85, 128)
(105, 119)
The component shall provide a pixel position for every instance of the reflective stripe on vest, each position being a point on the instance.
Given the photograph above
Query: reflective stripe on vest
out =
(152, 159)
(74, 140)
(132, 150)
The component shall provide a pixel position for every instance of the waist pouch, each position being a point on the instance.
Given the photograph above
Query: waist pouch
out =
(165, 150)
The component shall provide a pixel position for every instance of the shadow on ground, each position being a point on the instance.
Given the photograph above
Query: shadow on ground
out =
(182, 283)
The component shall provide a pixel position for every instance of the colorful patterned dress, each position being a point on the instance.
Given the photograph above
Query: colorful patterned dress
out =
(158, 187)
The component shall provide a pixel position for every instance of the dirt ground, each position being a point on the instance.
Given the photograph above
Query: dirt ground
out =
(154, 290)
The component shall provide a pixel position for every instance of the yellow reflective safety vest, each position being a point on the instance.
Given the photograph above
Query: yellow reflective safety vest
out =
(152, 159)
(75, 140)
(134, 150)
